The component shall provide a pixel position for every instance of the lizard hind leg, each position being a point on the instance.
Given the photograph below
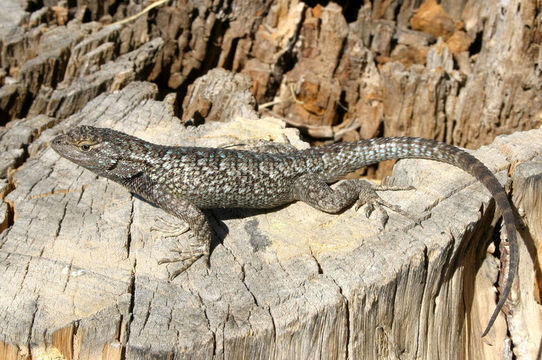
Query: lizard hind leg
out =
(317, 193)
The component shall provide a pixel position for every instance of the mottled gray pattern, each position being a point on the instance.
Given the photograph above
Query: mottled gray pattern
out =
(184, 180)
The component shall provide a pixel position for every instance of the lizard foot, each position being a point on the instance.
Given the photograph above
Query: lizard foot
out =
(185, 257)
(170, 228)
(369, 197)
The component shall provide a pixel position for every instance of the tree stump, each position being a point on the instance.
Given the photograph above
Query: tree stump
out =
(79, 254)
(81, 277)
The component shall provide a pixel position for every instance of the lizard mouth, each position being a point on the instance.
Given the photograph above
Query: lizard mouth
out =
(59, 143)
(59, 140)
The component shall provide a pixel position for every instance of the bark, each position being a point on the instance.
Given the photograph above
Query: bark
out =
(78, 253)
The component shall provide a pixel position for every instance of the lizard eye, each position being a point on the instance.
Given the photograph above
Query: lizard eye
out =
(85, 145)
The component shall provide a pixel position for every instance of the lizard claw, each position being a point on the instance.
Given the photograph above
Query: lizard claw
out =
(185, 257)
(169, 228)
(186, 263)
(371, 207)
(369, 197)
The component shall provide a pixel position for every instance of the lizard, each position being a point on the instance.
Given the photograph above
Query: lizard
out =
(184, 180)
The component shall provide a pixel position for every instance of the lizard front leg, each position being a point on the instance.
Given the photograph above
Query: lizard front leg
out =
(197, 222)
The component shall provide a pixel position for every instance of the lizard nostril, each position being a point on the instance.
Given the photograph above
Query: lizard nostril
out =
(58, 140)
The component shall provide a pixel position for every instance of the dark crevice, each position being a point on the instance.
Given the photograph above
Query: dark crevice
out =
(425, 282)
(129, 233)
(313, 3)
(10, 215)
(320, 271)
(455, 64)
(74, 336)
(214, 343)
(350, 7)
(112, 9)
(393, 44)
(351, 10)
(247, 288)
(87, 16)
(273, 323)
(287, 61)
(212, 54)
(476, 45)
(34, 5)
(32, 322)
(369, 40)
(19, 161)
(68, 277)
(10, 212)
(214, 47)
(228, 62)
(131, 290)
(163, 91)
(284, 64)
(203, 305)
(342, 108)
(340, 55)
(197, 119)
(347, 317)
(397, 10)
(22, 96)
(57, 232)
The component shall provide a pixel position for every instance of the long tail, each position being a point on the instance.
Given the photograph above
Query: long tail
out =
(347, 157)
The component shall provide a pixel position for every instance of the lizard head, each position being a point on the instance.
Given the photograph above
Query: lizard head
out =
(104, 151)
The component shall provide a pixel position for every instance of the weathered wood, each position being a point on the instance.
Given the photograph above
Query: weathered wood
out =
(57, 69)
(80, 273)
(114, 75)
(219, 96)
(4, 209)
(526, 320)
(411, 93)
(336, 71)
(78, 257)
(15, 139)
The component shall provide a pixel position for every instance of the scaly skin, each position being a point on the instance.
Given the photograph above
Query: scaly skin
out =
(184, 180)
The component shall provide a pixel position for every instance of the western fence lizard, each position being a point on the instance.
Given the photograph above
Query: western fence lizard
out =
(184, 180)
